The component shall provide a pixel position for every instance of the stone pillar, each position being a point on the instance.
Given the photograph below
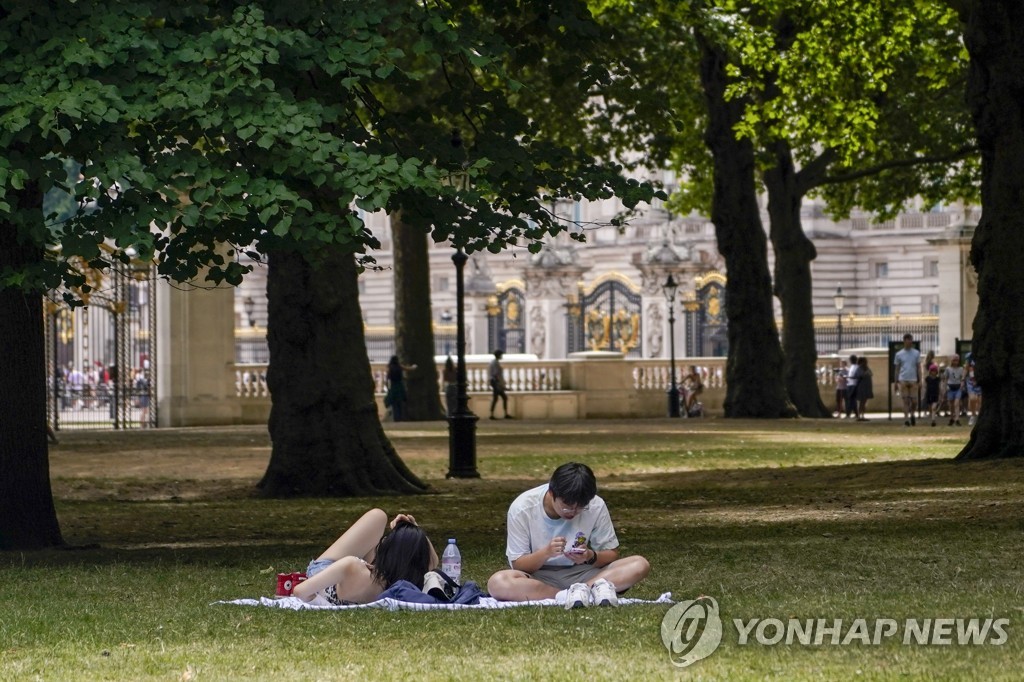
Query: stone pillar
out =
(958, 288)
(196, 356)
(476, 323)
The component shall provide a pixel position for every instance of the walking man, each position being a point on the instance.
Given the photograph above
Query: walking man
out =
(497, 377)
(908, 378)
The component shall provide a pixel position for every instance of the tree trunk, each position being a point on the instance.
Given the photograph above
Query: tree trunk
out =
(327, 438)
(414, 331)
(28, 519)
(793, 255)
(754, 367)
(994, 34)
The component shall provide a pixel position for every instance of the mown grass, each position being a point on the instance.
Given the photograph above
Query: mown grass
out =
(804, 519)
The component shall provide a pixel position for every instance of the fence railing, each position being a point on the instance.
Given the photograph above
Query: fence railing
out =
(864, 331)
(869, 331)
(547, 376)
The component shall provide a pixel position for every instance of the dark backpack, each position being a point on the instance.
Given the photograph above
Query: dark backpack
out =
(467, 593)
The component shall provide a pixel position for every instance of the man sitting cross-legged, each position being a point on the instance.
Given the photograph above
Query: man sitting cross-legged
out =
(561, 544)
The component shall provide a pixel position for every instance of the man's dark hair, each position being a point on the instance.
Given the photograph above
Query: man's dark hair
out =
(908, 335)
(574, 484)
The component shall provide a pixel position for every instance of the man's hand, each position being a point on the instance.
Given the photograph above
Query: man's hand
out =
(579, 557)
(556, 546)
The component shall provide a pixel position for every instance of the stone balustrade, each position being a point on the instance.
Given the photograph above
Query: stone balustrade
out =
(585, 385)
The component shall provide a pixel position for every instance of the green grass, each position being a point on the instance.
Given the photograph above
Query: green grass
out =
(805, 519)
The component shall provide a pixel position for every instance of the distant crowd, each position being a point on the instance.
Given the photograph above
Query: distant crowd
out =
(928, 388)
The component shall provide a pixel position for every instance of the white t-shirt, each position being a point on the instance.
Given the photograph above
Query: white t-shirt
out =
(530, 528)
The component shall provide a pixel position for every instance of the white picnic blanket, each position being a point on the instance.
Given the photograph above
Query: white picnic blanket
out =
(389, 604)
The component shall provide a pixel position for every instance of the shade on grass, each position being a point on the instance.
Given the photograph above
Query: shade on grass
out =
(806, 519)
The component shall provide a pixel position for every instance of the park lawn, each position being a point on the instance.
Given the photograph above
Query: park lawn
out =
(805, 519)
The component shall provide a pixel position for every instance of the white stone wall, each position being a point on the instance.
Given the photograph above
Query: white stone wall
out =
(907, 266)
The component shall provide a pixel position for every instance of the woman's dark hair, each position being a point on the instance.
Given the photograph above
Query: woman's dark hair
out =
(402, 554)
(574, 484)
(394, 369)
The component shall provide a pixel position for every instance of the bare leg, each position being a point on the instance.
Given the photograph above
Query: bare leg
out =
(624, 573)
(350, 576)
(511, 585)
(361, 538)
(349, 552)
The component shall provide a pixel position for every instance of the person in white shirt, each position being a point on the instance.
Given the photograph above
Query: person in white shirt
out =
(908, 378)
(561, 544)
(852, 376)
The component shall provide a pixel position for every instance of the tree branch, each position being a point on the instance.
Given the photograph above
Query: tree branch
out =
(955, 155)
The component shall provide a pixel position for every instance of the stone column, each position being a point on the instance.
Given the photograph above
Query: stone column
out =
(958, 287)
(551, 278)
(195, 356)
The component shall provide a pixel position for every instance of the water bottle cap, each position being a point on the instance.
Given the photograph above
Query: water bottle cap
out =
(451, 541)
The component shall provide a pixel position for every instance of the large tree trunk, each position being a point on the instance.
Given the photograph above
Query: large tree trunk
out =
(755, 386)
(793, 255)
(327, 438)
(994, 35)
(414, 331)
(28, 519)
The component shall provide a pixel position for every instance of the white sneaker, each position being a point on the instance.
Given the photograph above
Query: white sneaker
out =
(578, 595)
(971, 422)
(603, 593)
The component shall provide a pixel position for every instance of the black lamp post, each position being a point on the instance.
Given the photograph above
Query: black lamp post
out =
(446, 318)
(462, 422)
(840, 300)
(670, 287)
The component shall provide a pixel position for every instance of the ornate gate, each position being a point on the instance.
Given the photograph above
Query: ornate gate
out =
(505, 320)
(707, 326)
(101, 357)
(608, 318)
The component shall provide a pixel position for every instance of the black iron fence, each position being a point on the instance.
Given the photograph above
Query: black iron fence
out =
(875, 332)
(101, 357)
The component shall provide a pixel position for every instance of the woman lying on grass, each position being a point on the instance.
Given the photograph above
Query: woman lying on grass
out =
(364, 561)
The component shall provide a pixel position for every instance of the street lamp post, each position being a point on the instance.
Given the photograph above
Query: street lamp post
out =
(840, 300)
(462, 422)
(670, 287)
(446, 318)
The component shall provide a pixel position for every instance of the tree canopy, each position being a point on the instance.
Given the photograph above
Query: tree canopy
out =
(259, 126)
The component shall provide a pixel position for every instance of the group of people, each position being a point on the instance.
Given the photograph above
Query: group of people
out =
(955, 385)
(396, 395)
(560, 544)
(854, 388)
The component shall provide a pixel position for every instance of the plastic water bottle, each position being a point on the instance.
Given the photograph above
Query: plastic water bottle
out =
(451, 561)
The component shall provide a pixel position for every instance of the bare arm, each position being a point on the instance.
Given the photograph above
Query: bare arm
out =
(528, 563)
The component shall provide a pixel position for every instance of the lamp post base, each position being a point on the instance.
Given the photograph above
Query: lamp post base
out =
(673, 402)
(462, 446)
